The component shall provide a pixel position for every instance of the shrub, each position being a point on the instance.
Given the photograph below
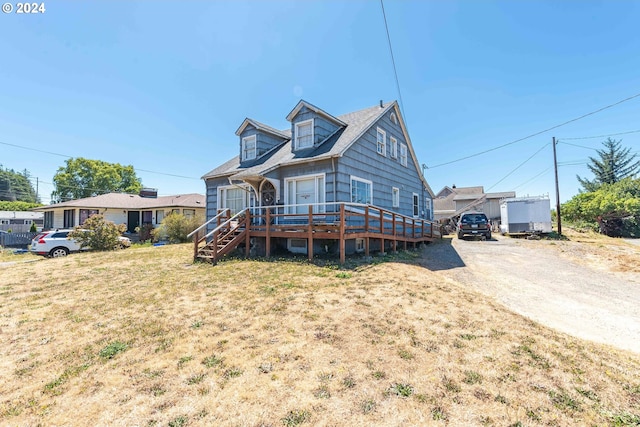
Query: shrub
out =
(175, 228)
(98, 233)
(33, 228)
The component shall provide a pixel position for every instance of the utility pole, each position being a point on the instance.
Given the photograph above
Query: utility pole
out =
(555, 165)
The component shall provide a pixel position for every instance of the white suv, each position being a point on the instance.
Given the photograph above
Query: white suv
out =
(57, 243)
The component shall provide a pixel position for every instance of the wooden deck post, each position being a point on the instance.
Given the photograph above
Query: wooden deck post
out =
(267, 243)
(310, 234)
(393, 224)
(247, 238)
(342, 232)
(381, 232)
(195, 245)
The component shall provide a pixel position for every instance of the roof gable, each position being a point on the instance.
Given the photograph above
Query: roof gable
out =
(316, 110)
(261, 127)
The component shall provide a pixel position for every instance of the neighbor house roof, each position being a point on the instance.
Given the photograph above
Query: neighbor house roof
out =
(131, 201)
(21, 215)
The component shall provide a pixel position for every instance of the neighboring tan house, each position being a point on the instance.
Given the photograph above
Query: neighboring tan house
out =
(452, 201)
(20, 221)
(364, 158)
(129, 209)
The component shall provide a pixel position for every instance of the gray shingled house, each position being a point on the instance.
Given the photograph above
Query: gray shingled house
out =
(360, 162)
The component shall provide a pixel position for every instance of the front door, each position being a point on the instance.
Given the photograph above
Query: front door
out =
(133, 221)
(268, 194)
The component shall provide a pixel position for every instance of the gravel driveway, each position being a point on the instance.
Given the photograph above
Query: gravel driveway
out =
(533, 279)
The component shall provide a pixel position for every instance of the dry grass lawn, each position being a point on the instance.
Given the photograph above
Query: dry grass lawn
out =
(144, 337)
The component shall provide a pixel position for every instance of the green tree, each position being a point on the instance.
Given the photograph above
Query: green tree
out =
(97, 233)
(82, 177)
(614, 164)
(16, 186)
(17, 206)
(613, 209)
(175, 228)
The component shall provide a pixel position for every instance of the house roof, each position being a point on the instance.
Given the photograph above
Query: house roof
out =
(131, 201)
(315, 109)
(355, 124)
(21, 215)
(284, 134)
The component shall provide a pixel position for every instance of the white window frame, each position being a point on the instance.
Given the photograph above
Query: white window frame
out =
(359, 245)
(381, 146)
(428, 209)
(222, 196)
(403, 154)
(249, 153)
(416, 205)
(365, 181)
(395, 197)
(320, 191)
(393, 118)
(5, 222)
(394, 147)
(298, 146)
(28, 221)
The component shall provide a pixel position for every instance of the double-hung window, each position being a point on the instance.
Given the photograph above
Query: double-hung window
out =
(304, 134)
(394, 147)
(249, 147)
(403, 154)
(361, 191)
(233, 198)
(416, 205)
(302, 191)
(381, 141)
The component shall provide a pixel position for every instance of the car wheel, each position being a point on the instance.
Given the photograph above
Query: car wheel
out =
(58, 252)
(459, 235)
(488, 236)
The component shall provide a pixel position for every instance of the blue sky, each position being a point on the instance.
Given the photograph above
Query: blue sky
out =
(163, 85)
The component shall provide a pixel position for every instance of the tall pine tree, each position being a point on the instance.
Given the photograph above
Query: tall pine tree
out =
(615, 163)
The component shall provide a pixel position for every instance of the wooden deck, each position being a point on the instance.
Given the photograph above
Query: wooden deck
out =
(340, 222)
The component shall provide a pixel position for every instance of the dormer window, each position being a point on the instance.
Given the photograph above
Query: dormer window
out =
(304, 134)
(249, 147)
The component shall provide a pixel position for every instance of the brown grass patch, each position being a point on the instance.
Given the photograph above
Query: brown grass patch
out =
(145, 337)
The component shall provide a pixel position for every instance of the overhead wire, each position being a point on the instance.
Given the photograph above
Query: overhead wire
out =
(71, 157)
(520, 165)
(537, 133)
(393, 61)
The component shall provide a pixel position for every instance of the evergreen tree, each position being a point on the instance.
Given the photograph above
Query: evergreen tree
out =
(16, 186)
(615, 163)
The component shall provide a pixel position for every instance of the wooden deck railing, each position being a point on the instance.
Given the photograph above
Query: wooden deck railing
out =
(336, 221)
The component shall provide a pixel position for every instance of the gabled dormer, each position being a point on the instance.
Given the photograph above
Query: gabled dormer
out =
(256, 139)
(310, 126)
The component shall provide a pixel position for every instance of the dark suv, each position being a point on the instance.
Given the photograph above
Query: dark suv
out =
(474, 224)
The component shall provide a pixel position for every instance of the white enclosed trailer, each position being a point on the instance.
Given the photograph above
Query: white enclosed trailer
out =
(525, 215)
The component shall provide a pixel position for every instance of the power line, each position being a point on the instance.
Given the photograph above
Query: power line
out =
(538, 133)
(519, 166)
(600, 136)
(71, 157)
(393, 61)
(576, 145)
(531, 179)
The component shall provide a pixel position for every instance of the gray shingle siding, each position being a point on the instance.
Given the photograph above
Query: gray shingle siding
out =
(363, 161)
